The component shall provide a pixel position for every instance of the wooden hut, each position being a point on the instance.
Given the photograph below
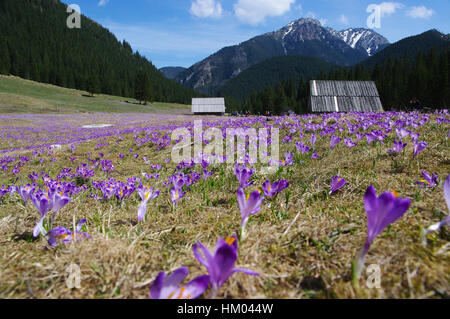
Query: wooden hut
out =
(214, 106)
(344, 96)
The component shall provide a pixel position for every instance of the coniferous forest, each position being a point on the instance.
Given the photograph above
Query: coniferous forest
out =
(403, 83)
(36, 44)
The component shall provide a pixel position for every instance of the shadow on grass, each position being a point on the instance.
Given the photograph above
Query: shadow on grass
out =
(26, 236)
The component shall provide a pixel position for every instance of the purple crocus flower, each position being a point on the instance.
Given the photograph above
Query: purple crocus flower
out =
(302, 147)
(313, 139)
(176, 194)
(446, 220)
(288, 159)
(314, 155)
(381, 212)
(371, 138)
(334, 141)
(336, 184)
(65, 235)
(249, 205)
(398, 146)
(206, 174)
(169, 287)
(419, 147)
(121, 156)
(25, 192)
(275, 188)
(146, 193)
(220, 264)
(43, 204)
(60, 199)
(428, 180)
(401, 133)
(350, 143)
(243, 175)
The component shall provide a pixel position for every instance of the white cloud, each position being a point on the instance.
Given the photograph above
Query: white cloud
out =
(206, 9)
(255, 11)
(102, 3)
(389, 8)
(421, 12)
(343, 19)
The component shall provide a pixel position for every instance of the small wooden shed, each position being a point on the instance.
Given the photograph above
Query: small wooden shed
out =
(344, 96)
(215, 106)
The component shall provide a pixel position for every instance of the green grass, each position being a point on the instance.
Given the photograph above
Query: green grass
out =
(22, 96)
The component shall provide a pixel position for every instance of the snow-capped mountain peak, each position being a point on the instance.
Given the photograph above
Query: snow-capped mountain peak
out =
(362, 39)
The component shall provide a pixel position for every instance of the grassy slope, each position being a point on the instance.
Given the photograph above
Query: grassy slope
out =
(22, 96)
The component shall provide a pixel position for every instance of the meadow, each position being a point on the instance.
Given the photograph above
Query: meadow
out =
(141, 214)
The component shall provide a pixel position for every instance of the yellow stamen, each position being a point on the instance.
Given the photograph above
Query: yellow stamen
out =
(248, 196)
(171, 295)
(183, 289)
(230, 240)
(395, 194)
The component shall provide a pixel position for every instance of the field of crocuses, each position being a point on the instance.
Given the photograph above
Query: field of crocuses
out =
(92, 206)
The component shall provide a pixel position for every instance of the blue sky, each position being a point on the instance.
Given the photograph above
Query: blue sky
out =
(183, 32)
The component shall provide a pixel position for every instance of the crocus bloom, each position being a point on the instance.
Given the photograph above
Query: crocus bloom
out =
(381, 212)
(273, 189)
(288, 159)
(25, 192)
(65, 235)
(313, 139)
(206, 174)
(302, 147)
(336, 184)
(169, 287)
(220, 264)
(146, 193)
(428, 180)
(349, 143)
(334, 141)
(243, 175)
(59, 201)
(43, 204)
(419, 147)
(398, 146)
(249, 205)
(371, 138)
(446, 220)
(314, 155)
(176, 194)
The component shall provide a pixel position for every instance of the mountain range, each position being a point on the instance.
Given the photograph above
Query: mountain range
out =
(306, 37)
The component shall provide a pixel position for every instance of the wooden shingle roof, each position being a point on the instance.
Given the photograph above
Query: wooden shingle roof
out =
(208, 105)
(344, 96)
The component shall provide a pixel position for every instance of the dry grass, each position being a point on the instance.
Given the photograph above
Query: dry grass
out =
(306, 257)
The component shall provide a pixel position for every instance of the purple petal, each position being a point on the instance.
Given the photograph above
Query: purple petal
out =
(206, 252)
(224, 260)
(197, 286)
(156, 287)
(447, 192)
(245, 271)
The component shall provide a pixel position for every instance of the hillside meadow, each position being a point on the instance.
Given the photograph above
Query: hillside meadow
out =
(142, 214)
